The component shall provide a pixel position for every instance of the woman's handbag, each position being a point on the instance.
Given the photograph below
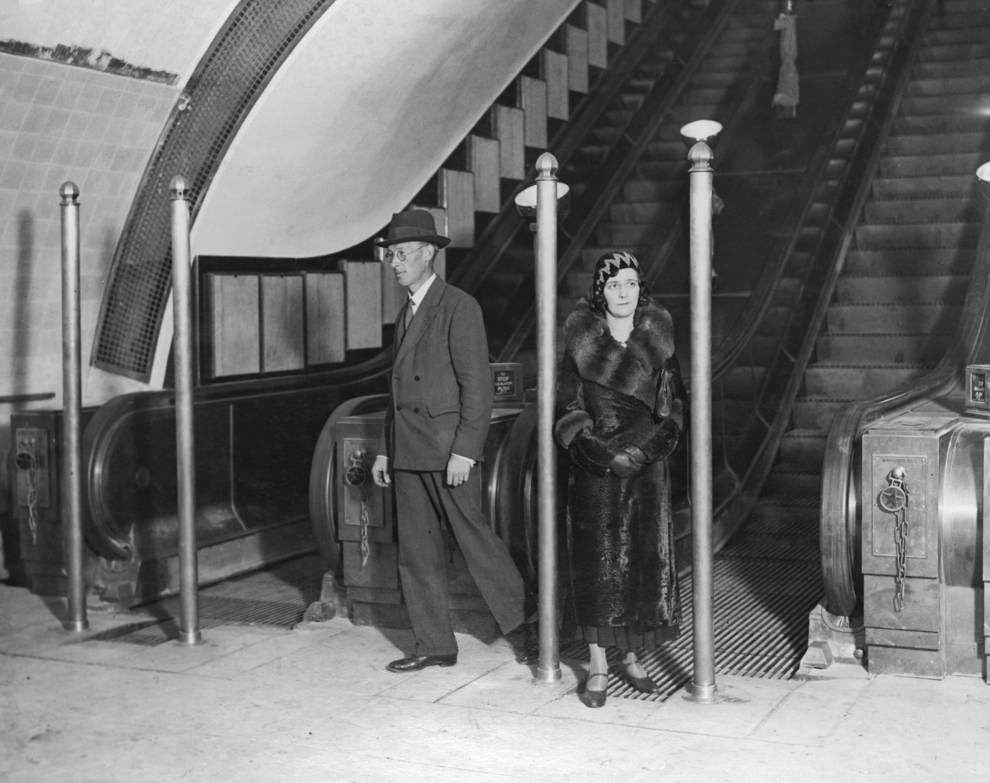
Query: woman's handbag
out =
(665, 392)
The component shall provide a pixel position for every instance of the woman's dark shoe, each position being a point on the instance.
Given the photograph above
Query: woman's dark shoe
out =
(595, 698)
(643, 684)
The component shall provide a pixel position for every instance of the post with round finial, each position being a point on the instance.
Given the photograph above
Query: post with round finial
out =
(548, 668)
(189, 632)
(72, 406)
(698, 135)
(541, 200)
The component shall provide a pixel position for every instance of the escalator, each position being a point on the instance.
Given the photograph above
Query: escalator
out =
(907, 315)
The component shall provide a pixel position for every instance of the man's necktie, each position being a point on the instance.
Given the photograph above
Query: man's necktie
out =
(408, 317)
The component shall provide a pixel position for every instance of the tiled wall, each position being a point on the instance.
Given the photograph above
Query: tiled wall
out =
(60, 123)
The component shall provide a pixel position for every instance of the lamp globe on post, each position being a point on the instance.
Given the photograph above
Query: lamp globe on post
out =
(983, 175)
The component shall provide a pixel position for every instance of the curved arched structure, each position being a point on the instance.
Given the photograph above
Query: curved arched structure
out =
(375, 96)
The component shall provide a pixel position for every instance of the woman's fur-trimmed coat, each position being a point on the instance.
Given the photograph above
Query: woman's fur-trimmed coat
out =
(623, 579)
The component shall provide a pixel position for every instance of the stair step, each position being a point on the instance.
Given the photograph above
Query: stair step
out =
(892, 318)
(660, 170)
(641, 211)
(935, 52)
(618, 118)
(949, 68)
(941, 123)
(631, 101)
(606, 134)
(958, 186)
(652, 190)
(742, 382)
(936, 104)
(948, 260)
(914, 348)
(934, 143)
(665, 151)
(964, 13)
(969, 84)
(707, 96)
(712, 79)
(955, 36)
(916, 236)
(860, 382)
(817, 412)
(892, 289)
(930, 165)
(920, 211)
(793, 484)
(803, 449)
(614, 235)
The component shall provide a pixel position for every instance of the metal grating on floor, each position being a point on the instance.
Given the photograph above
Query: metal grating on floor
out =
(761, 609)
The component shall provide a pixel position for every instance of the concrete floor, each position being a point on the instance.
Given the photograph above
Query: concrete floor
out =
(262, 703)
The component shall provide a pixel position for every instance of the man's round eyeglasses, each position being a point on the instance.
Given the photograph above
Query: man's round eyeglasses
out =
(400, 254)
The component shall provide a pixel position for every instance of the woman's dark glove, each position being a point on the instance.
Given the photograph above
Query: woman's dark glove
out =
(629, 461)
(590, 453)
(655, 443)
(660, 440)
(573, 432)
(570, 425)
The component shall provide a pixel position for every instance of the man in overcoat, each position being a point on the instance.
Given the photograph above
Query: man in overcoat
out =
(432, 444)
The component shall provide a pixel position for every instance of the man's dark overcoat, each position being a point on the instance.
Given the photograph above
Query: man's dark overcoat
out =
(441, 401)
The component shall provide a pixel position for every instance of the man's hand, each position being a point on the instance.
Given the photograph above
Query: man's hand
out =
(458, 469)
(379, 471)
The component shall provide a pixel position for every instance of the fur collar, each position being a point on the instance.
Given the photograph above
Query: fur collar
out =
(631, 370)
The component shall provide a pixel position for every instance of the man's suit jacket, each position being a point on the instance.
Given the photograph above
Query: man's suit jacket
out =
(441, 398)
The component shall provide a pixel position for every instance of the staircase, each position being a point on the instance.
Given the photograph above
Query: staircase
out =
(898, 299)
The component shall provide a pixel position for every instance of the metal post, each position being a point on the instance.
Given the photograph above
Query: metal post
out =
(548, 669)
(185, 449)
(701, 188)
(72, 404)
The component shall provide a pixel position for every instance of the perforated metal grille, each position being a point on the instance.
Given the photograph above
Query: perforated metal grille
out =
(761, 607)
(246, 53)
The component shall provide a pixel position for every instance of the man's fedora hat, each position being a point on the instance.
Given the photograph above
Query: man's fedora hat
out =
(413, 225)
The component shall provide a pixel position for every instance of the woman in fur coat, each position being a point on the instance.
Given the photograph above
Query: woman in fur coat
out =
(620, 413)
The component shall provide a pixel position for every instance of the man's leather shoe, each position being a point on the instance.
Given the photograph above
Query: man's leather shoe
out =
(416, 662)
